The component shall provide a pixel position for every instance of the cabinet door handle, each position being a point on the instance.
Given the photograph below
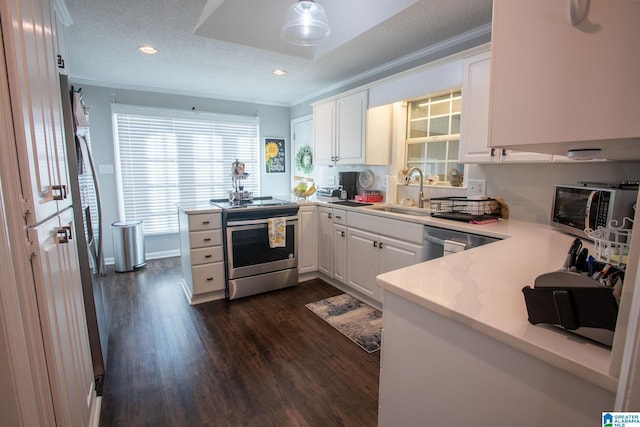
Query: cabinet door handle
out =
(493, 152)
(504, 152)
(338, 217)
(330, 216)
(342, 233)
(337, 158)
(63, 192)
(60, 61)
(375, 243)
(64, 234)
(380, 245)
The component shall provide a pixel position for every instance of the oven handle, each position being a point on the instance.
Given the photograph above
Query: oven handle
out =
(257, 221)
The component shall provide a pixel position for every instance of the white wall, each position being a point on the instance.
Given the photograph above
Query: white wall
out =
(274, 122)
(528, 188)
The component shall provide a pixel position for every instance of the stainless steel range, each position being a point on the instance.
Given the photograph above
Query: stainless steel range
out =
(252, 265)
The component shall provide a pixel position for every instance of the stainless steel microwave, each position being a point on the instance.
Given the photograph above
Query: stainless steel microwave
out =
(576, 208)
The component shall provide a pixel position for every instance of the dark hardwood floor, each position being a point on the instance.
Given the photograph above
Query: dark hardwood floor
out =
(264, 360)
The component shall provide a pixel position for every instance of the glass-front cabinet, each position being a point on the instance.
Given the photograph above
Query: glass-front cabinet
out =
(433, 142)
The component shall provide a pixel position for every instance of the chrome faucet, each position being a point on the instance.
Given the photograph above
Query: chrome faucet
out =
(406, 182)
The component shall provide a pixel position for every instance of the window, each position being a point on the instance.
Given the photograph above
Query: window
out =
(433, 129)
(167, 157)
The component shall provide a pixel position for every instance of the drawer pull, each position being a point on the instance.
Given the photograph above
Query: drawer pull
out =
(208, 256)
(207, 239)
(205, 222)
(209, 279)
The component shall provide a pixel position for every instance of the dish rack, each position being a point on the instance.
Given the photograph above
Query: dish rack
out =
(612, 243)
(464, 208)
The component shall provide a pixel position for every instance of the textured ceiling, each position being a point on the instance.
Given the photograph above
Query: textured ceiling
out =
(227, 49)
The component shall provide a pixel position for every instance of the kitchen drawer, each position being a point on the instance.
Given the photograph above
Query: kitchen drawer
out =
(208, 278)
(206, 255)
(339, 216)
(205, 221)
(201, 239)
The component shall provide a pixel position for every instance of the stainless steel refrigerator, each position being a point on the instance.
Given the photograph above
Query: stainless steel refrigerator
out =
(87, 213)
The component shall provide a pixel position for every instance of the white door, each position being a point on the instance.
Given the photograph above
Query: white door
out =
(308, 239)
(324, 126)
(340, 252)
(36, 107)
(351, 113)
(325, 242)
(62, 317)
(363, 261)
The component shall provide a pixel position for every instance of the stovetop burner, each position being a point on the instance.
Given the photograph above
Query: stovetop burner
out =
(256, 202)
(258, 208)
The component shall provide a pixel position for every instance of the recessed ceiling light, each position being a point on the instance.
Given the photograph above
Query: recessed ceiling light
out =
(279, 72)
(149, 50)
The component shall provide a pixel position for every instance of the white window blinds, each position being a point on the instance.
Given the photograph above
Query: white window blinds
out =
(167, 157)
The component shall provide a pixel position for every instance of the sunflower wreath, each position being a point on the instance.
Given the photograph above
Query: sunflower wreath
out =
(304, 161)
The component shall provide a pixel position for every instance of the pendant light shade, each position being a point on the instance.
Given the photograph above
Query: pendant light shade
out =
(306, 24)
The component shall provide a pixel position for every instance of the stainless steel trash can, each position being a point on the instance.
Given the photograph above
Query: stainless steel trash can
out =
(128, 245)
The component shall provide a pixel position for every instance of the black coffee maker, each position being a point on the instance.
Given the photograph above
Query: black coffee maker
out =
(349, 183)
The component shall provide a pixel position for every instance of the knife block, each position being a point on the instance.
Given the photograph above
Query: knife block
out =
(573, 302)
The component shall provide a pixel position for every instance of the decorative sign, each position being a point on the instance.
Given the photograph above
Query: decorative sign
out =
(274, 155)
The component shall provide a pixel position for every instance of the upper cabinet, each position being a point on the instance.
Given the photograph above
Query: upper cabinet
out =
(62, 20)
(345, 132)
(557, 86)
(474, 146)
(30, 46)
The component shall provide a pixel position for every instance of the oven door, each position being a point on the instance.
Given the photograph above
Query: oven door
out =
(248, 250)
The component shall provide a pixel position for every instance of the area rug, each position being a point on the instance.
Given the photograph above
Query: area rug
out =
(356, 320)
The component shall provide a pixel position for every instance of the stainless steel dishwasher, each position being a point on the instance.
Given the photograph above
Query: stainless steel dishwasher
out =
(439, 242)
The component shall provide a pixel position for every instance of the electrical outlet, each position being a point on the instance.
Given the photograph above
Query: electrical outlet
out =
(476, 187)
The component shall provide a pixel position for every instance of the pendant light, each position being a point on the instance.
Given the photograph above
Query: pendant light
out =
(306, 24)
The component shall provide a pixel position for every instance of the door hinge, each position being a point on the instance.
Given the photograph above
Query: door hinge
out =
(27, 207)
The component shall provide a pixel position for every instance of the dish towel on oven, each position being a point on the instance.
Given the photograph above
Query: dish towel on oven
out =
(277, 232)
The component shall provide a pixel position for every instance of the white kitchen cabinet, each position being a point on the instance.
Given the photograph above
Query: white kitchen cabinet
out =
(474, 133)
(325, 241)
(37, 108)
(340, 252)
(345, 132)
(370, 254)
(555, 86)
(62, 20)
(62, 317)
(308, 239)
(376, 245)
(54, 382)
(332, 243)
(202, 256)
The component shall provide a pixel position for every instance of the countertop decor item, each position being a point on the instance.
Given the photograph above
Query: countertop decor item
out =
(366, 178)
(304, 187)
(304, 160)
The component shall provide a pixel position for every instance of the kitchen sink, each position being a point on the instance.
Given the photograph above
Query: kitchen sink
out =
(401, 210)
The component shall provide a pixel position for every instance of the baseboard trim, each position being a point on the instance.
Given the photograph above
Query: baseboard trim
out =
(150, 255)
